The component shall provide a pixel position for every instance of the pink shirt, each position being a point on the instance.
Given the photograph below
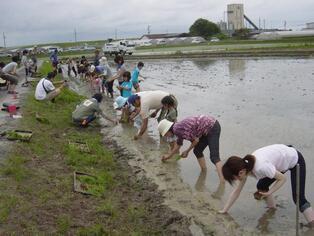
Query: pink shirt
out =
(193, 127)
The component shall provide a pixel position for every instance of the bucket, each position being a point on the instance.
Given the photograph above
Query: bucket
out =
(12, 109)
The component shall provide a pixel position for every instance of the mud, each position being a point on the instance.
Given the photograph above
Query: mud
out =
(257, 102)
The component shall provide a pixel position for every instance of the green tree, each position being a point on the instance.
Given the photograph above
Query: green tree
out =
(204, 28)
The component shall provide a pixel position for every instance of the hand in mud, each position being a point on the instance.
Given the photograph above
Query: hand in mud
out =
(136, 137)
(184, 154)
(222, 212)
(164, 158)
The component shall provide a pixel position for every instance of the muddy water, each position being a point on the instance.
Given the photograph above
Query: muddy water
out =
(257, 102)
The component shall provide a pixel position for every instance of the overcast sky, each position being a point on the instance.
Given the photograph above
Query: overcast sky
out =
(41, 21)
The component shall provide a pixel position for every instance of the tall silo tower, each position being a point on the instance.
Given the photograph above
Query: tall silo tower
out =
(235, 14)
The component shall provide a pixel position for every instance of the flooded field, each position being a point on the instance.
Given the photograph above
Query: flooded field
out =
(257, 102)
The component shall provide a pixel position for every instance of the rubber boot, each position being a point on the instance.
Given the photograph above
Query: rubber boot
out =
(309, 216)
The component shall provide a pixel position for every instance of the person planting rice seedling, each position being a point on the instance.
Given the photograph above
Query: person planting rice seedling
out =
(201, 131)
(269, 165)
(145, 102)
(88, 110)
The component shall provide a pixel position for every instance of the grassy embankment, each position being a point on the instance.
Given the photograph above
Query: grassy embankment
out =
(237, 45)
(36, 187)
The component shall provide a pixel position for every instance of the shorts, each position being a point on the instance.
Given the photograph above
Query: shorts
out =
(8, 77)
(135, 85)
(212, 141)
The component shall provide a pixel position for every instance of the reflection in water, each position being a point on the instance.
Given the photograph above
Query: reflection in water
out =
(237, 68)
(263, 222)
(203, 64)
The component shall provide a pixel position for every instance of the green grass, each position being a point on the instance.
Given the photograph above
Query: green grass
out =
(7, 203)
(14, 167)
(96, 43)
(36, 189)
(63, 224)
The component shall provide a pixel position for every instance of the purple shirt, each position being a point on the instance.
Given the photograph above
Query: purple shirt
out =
(193, 127)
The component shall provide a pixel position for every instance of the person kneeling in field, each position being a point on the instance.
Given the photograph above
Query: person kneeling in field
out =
(268, 165)
(87, 111)
(201, 131)
(45, 90)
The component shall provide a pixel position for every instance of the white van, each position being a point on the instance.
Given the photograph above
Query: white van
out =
(120, 47)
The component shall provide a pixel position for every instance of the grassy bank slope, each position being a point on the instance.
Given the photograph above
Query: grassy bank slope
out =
(36, 188)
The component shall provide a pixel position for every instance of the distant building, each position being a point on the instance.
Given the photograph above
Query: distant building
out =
(235, 13)
(309, 25)
(222, 26)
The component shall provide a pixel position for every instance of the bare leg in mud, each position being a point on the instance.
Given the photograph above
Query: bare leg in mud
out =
(219, 171)
(202, 163)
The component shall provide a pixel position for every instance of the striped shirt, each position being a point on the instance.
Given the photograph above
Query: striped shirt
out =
(193, 127)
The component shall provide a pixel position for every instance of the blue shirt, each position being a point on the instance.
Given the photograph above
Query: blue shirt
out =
(135, 74)
(54, 57)
(128, 91)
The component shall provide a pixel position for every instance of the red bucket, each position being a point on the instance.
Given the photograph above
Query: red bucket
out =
(12, 109)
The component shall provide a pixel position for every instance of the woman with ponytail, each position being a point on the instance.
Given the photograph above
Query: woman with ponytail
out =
(268, 165)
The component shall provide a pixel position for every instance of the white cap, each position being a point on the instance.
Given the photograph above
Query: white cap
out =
(164, 126)
(119, 102)
(103, 60)
(92, 68)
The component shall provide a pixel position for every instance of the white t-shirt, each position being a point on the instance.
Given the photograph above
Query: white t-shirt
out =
(269, 159)
(10, 67)
(24, 61)
(150, 100)
(40, 93)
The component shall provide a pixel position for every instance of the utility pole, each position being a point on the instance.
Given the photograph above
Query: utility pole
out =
(4, 43)
(75, 36)
(285, 25)
(264, 24)
(148, 29)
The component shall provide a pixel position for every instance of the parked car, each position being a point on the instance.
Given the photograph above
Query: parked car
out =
(4, 54)
(89, 48)
(196, 41)
(145, 44)
(214, 39)
(73, 49)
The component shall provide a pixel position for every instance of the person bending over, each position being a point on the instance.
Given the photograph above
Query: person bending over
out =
(88, 110)
(201, 131)
(268, 165)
